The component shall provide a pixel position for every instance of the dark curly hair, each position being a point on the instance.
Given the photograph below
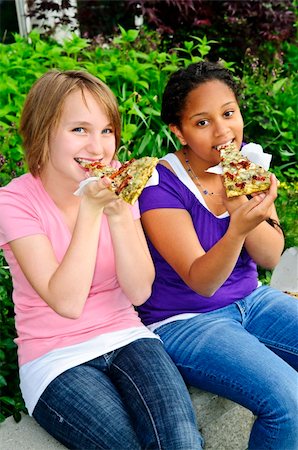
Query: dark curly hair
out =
(182, 82)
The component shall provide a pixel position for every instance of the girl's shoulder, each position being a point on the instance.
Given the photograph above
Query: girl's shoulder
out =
(22, 192)
(19, 183)
(171, 171)
(165, 190)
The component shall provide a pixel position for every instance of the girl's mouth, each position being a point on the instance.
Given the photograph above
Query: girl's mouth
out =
(86, 163)
(220, 146)
(87, 160)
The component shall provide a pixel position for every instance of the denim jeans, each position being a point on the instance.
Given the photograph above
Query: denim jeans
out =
(131, 398)
(247, 352)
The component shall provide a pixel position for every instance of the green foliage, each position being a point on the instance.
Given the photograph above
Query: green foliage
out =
(136, 76)
(270, 104)
(286, 204)
(137, 72)
(10, 397)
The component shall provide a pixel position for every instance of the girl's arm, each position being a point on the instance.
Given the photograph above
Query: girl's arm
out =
(172, 233)
(134, 266)
(65, 285)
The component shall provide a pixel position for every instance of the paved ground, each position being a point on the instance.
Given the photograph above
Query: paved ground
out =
(224, 425)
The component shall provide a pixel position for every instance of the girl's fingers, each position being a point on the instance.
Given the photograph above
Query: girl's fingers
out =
(104, 181)
(260, 205)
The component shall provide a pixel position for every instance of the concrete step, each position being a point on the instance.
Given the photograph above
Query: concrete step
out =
(223, 424)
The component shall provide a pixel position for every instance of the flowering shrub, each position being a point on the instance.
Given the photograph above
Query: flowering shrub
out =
(236, 25)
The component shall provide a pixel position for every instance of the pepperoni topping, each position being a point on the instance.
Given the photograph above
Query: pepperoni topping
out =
(122, 168)
(123, 184)
(244, 164)
(240, 185)
(259, 177)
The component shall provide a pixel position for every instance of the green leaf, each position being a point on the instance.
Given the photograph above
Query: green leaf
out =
(132, 35)
(8, 401)
(2, 381)
(278, 85)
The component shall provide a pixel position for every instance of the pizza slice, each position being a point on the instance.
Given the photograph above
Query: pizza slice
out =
(240, 175)
(129, 180)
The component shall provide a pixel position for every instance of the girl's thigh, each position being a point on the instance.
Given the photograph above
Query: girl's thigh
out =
(82, 409)
(214, 352)
(155, 396)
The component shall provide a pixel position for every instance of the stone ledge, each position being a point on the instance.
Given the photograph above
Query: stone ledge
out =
(224, 426)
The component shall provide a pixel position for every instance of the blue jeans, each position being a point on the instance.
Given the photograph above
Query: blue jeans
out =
(132, 398)
(247, 352)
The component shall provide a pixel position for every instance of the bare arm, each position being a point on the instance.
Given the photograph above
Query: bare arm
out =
(65, 285)
(172, 233)
(134, 266)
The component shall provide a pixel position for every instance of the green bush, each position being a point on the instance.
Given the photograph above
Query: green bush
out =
(137, 78)
(270, 104)
(137, 72)
(10, 397)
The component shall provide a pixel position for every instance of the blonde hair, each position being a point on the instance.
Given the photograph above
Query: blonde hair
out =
(43, 107)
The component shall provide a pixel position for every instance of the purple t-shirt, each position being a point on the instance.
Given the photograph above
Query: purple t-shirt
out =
(170, 295)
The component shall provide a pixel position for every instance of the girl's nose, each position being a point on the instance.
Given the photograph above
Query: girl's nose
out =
(94, 145)
(221, 128)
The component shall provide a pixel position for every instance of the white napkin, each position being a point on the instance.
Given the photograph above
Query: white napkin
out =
(84, 183)
(254, 152)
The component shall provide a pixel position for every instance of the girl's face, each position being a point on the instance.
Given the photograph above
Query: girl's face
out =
(211, 117)
(84, 131)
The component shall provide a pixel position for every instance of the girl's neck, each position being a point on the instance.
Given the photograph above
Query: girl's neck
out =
(61, 192)
(198, 165)
(208, 184)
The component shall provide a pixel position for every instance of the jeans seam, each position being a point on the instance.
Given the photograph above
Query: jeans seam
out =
(68, 423)
(144, 402)
(241, 309)
(273, 345)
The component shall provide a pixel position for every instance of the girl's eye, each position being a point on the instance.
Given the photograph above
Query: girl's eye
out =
(108, 131)
(202, 123)
(79, 130)
(228, 113)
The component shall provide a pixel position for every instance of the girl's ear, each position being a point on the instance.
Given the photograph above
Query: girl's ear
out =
(178, 134)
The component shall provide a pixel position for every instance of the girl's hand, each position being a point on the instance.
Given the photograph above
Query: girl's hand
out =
(249, 214)
(98, 194)
(111, 204)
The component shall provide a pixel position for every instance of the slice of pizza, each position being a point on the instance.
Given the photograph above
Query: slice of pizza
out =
(241, 176)
(129, 180)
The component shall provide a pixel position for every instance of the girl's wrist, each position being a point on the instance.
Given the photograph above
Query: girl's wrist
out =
(91, 206)
(235, 236)
(122, 215)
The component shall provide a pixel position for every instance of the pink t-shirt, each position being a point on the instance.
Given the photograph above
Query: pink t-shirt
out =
(27, 209)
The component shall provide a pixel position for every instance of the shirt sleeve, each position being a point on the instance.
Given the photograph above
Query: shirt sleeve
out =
(168, 192)
(18, 217)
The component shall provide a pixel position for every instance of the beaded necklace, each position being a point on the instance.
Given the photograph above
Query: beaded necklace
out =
(195, 177)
